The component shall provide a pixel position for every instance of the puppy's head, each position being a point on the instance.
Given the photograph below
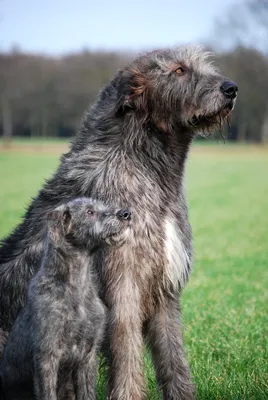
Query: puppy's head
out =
(86, 223)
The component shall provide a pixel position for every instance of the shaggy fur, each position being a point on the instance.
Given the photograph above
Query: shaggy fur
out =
(57, 334)
(131, 149)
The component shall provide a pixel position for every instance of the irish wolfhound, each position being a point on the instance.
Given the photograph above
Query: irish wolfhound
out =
(62, 324)
(131, 149)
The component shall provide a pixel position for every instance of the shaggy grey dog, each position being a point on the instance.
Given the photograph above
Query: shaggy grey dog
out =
(58, 333)
(131, 149)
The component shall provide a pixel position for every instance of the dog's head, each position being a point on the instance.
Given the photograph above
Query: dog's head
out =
(176, 89)
(84, 223)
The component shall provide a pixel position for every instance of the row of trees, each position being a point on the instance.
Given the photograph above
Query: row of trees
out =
(46, 96)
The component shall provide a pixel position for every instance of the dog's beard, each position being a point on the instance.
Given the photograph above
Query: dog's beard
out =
(207, 124)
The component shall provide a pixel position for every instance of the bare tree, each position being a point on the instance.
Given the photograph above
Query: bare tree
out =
(242, 35)
(245, 24)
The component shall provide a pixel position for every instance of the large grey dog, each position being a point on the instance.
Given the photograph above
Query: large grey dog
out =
(57, 334)
(131, 149)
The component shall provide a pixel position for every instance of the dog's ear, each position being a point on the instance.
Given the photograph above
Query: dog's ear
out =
(131, 88)
(138, 89)
(66, 218)
(54, 225)
(54, 216)
(58, 222)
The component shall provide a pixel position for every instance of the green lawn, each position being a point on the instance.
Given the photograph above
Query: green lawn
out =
(225, 303)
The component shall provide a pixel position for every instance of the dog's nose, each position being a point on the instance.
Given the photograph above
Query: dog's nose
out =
(229, 89)
(124, 214)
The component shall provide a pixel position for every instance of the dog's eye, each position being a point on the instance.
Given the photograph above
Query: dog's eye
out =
(180, 70)
(90, 212)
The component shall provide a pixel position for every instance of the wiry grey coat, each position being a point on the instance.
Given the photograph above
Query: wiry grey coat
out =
(131, 149)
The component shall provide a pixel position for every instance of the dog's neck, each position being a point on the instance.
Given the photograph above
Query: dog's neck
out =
(66, 265)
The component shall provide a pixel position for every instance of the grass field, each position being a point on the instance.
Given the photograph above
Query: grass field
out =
(225, 303)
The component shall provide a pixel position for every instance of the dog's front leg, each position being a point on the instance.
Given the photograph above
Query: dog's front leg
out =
(46, 375)
(126, 366)
(85, 377)
(164, 334)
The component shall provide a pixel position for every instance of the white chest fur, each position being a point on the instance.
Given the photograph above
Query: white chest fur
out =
(177, 257)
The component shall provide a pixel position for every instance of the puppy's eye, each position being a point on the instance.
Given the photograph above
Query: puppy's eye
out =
(90, 212)
(180, 70)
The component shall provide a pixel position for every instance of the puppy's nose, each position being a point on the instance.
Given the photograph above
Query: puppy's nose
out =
(124, 214)
(229, 89)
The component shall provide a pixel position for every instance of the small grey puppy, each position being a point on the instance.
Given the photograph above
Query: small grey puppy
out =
(56, 336)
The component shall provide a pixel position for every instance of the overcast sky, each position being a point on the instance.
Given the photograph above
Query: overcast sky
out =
(59, 26)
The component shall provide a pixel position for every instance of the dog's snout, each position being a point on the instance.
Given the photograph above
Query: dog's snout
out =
(229, 89)
(124, 214)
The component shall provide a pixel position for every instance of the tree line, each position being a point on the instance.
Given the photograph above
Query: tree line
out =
(43, 96)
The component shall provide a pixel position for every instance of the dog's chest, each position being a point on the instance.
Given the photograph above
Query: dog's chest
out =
(158, 250)
(177, 256)
(77, 327)
(158, 235)
(156, 254)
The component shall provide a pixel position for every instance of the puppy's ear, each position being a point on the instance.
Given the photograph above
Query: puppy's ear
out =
(54, 216)
(54, 225)
(66, 218)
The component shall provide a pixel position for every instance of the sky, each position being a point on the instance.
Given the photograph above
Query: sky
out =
(61, 26)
